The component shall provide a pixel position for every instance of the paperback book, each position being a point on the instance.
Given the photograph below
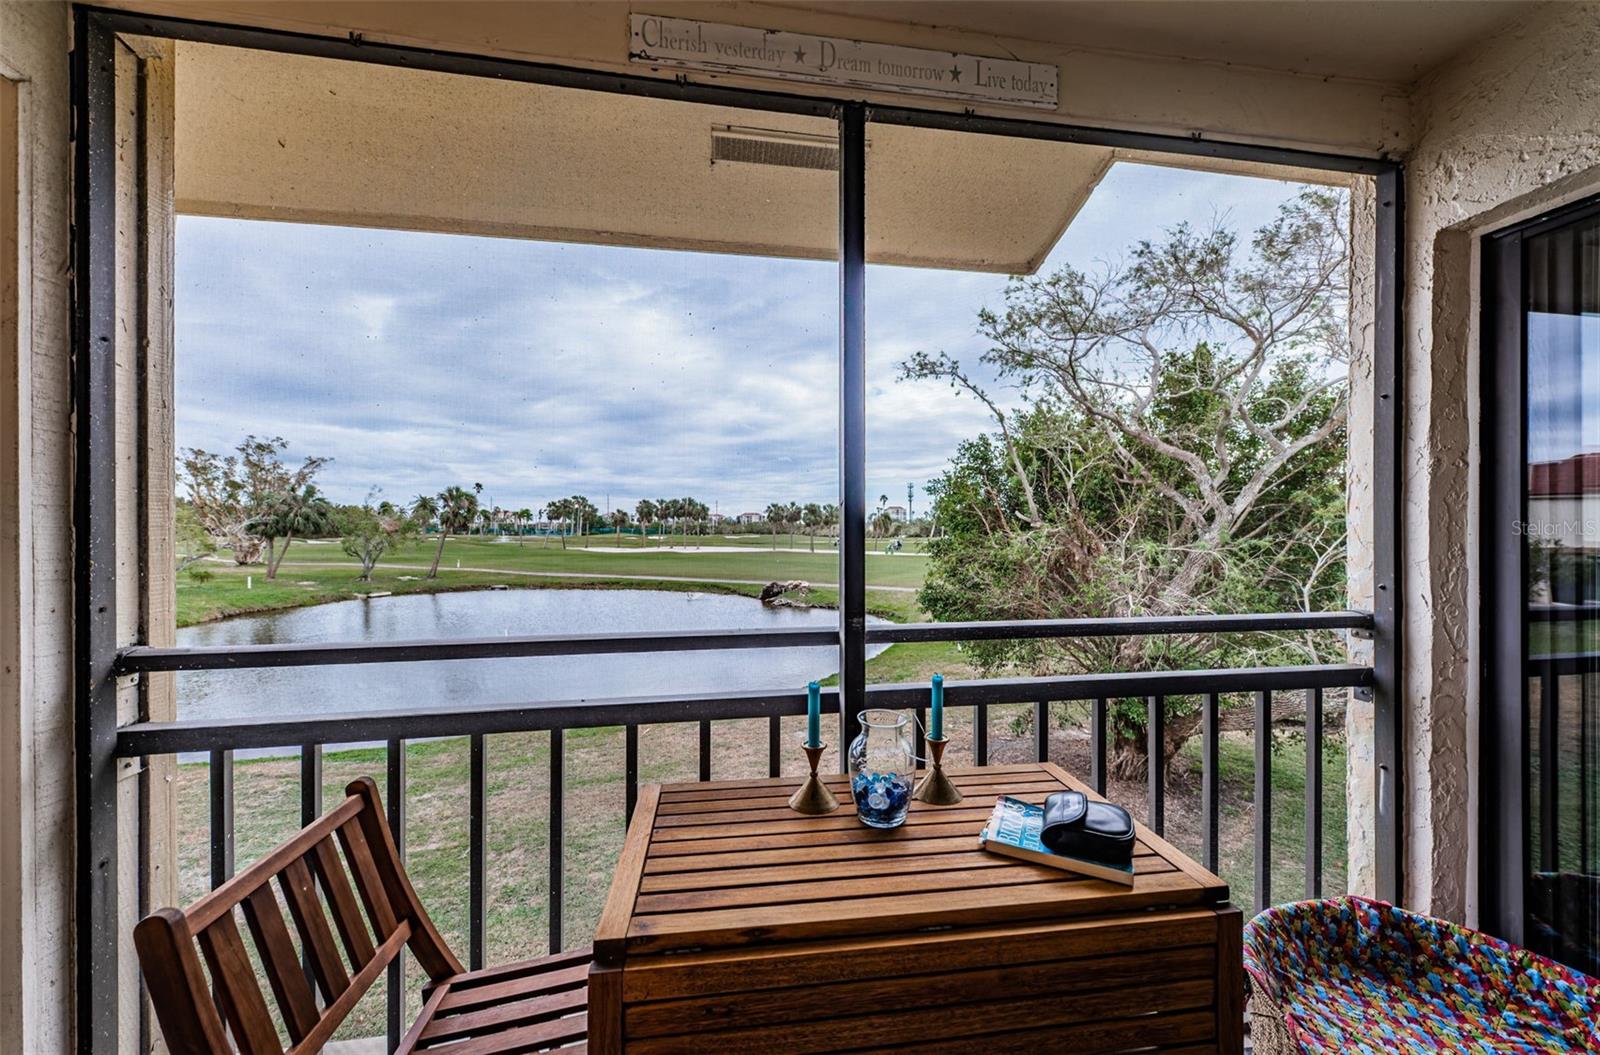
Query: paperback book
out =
(1013, 830)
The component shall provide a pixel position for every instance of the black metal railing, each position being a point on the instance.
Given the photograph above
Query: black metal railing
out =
(220, 739)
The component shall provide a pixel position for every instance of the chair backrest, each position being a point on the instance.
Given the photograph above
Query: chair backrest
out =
(198, 970)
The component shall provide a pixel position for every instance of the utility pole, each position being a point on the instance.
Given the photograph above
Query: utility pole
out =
(911, 489)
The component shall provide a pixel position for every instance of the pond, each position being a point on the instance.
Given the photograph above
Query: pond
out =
(478, 682)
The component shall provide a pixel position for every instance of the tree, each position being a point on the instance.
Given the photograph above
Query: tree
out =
(812, 516)
(647, 512)
(619, 520)
(228, 492)
(1179, 446)
(192, 543)
(299, 511)
(366, 533)
(455, 508)
(424, 512)
(774, 515)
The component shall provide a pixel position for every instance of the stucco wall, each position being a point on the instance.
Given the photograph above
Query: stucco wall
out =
(1506, 130)
(36, 552)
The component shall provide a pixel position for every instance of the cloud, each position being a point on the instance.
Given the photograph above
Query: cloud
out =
(539, 369)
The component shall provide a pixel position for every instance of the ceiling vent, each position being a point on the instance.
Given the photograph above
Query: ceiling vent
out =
(763, 146)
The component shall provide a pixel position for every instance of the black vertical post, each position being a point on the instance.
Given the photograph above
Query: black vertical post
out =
(1155, 763)
(1041, 732)
(1097, 747)
(705, 750)
(477, 849)
(1503, 821)
(852, 421)
(1388, 419)
(310, 810)
(1549, 767)
(558, 812)
(774, 748)
(395, 792)
(630, 766)
(310, 783)
(1210, 783)
(1313, 793)
(980, 734)
(94, 315)
(1263, 803)
(220, 772)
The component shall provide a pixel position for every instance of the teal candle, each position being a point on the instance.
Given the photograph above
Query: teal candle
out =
(936, 720)
(813, 715)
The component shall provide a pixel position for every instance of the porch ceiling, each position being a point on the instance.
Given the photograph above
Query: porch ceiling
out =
(283, 137)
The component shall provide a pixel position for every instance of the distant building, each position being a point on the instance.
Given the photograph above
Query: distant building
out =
(897, 512)
(751, 518)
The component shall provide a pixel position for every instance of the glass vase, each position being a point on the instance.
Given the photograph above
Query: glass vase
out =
(883, 765)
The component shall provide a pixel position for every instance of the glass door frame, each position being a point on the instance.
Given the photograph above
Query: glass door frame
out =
(1504, 751)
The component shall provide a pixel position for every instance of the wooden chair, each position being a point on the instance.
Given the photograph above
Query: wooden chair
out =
(533, 1006)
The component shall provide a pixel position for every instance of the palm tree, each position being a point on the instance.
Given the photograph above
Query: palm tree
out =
(457, 508)
(812, 516)
(298, 511)
(646, 512)
(524, 518)
(791, 517)
(619, 520)
(774, 515)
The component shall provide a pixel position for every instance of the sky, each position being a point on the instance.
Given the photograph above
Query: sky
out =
(540, 369)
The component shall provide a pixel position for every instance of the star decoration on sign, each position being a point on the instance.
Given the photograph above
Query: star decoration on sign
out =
(955, 73)
(799, 54)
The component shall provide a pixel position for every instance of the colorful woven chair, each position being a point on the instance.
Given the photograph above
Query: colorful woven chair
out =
(1358, 977)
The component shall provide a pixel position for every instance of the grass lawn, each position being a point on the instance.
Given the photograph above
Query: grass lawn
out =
(597, 556)
(325, 577)
(746, 540)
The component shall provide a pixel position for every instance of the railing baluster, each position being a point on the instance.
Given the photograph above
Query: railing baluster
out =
(921, 735)
(1263, 802)
(1155, 763)
(310, 783)
(705, 750)
(557, 819)
(1041, 731)
(310, 810)
(477, 849)
(774, 746)
(630, 767)
(980, 734)
(1313, 793)
(396, 794)
(1210, 798)
(1549, 766)
(222, 844)
(1097, 747)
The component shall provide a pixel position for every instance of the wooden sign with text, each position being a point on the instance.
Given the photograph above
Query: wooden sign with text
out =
(711, 46)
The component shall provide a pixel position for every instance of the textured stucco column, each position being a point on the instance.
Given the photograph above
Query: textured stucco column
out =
(1361, 800)
(36, 845)
(1507, 129)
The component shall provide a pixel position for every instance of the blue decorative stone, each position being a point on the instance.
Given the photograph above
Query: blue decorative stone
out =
(882, 799)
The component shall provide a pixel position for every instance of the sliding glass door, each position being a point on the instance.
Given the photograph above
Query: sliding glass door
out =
(1541, 797)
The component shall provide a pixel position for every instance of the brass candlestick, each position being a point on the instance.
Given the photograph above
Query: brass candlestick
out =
(935, 789)
(813, 797)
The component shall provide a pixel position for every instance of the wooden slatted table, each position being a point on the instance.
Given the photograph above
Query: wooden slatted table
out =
(736, 925)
